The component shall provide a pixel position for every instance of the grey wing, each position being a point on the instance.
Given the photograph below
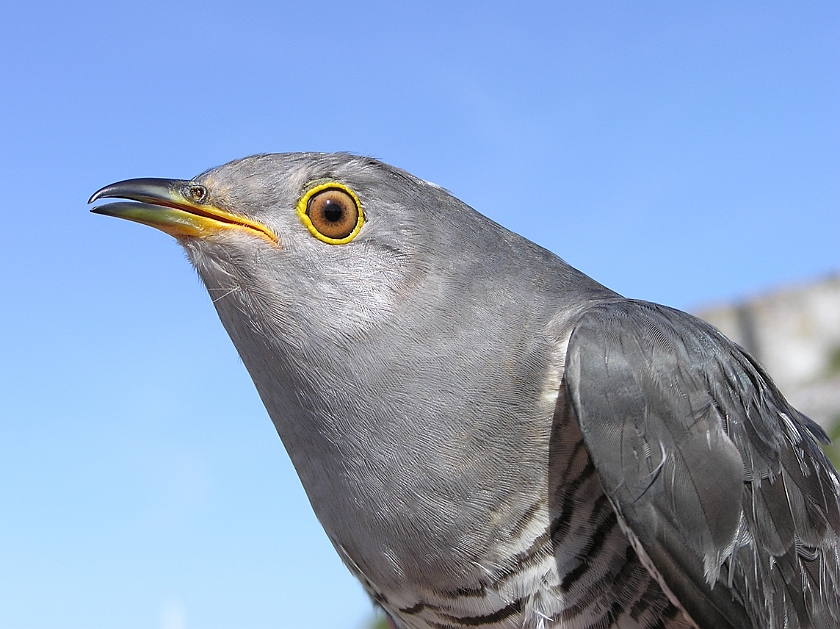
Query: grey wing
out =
(709, 468)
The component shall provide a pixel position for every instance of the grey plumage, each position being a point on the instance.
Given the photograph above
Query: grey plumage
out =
(488, 436)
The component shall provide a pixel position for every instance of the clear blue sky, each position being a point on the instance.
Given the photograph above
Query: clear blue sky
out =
(685, 153)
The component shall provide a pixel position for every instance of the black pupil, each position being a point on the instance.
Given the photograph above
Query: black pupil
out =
(333, 212)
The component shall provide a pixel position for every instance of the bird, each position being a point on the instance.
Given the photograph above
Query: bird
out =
(489, 437)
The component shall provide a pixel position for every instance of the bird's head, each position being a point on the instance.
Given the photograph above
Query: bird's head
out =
(329, 243)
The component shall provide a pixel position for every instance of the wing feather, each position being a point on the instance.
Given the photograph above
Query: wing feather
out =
(716, 475)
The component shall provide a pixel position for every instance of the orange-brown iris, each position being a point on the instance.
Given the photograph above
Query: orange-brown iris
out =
(333, 213)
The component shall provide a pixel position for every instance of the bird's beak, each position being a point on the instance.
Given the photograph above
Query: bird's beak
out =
(174, 206)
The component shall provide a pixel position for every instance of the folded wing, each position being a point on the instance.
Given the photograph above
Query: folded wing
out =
(712, 472)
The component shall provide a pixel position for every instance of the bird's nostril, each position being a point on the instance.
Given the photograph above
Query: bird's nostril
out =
(198, 193)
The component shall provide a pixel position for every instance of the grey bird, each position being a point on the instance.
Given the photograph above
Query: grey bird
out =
(489, 437)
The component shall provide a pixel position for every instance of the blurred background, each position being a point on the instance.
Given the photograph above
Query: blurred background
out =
(684, 153)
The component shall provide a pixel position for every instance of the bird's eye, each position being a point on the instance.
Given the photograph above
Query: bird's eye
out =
(332, 213)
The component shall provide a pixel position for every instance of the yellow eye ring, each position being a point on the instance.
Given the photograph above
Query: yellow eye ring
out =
(331, 212)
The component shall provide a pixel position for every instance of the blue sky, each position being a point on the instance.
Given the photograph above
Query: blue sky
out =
(685, 153)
